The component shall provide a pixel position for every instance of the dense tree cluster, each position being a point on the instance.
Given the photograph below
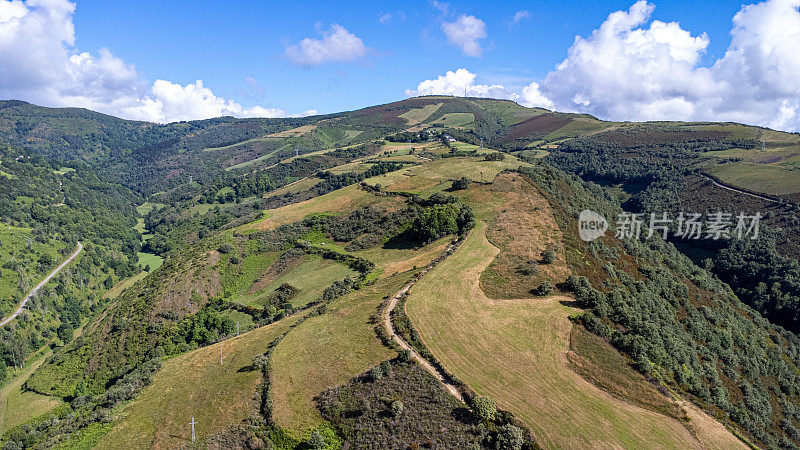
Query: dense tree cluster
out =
(436, 221)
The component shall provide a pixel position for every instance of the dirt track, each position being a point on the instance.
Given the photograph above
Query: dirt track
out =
(387, 323)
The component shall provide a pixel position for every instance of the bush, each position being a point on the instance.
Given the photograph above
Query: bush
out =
(461, 183)
(397, 408)
(496, 156)
(485, 408)
(545, 289)
(548, 256)
(510, 437)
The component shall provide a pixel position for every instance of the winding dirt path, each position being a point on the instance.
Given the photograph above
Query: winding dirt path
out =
(39, 286)
(737, 190)
(387, 323)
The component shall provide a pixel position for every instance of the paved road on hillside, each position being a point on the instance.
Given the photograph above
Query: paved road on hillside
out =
(39, 286)
(387, 323)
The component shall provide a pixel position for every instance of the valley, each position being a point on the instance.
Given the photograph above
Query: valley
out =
(350, 277)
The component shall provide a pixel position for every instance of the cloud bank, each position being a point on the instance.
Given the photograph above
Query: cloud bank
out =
(459, 83)
(38, 63)
(632, 68)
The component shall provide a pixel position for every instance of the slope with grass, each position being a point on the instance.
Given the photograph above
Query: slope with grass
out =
(195, 384)
(326, 351)
(514, 351)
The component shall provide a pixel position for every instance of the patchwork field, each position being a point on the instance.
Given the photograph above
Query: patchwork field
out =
(195, 384)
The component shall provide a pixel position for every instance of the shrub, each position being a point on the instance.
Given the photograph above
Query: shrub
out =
(397, 408)
(548, 256)
(485, 408)
(496, 156)
(510, 437)
(461, 183)
(545, 289)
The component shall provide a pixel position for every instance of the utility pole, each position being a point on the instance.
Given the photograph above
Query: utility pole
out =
(481, 143)
(237, 329)
(763, 146)
(296, 152)
(192, 423)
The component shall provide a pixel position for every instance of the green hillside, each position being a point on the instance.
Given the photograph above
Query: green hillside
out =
(285, 241)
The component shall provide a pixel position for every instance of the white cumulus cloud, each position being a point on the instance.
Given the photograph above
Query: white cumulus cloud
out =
(632, 68)
(457, 83)
(337, 45)
(38, 63)
(635, 68)
(465, 33)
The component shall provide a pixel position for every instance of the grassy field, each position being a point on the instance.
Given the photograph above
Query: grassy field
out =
(436, 176)
(326, 351)
(514, 351)
(417, 115)
(18, 406)
(311, 277)
(242, 165)
(120, 287)
(345, 199)
(149, 259)
(510, 113)
(455, 120)
(195, 384)
(580, 127)
(295, 186)
(766, 178)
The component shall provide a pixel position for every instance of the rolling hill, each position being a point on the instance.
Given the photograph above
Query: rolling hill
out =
(282, 240)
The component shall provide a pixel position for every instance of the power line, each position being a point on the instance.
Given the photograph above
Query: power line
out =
(192, 423)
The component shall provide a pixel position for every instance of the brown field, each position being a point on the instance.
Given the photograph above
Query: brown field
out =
(294, 132)
(522, 228)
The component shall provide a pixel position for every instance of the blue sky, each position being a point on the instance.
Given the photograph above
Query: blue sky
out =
(620, 60)
(223, 43)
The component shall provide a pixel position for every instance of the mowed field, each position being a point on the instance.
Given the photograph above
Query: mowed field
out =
(195, 384)
(326, 351)
(514, 351)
